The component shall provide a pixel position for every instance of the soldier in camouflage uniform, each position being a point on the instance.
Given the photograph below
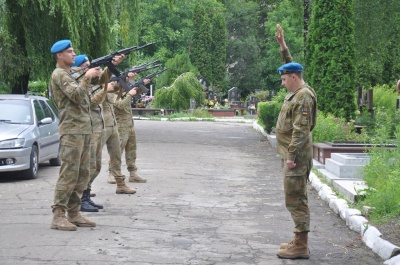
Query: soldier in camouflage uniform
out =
(127, 133)
(111, 139)
(296, 120)
(97, 95)
(72, 101)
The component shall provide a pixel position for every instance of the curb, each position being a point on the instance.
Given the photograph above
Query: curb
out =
(354, 220)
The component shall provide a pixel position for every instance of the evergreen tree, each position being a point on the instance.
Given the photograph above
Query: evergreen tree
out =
(330, 55)
(195, 48)
(202, 51)
(218, 49)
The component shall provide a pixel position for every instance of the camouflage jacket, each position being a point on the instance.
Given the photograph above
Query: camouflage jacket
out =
(72, 100)
(296, 120)
(108, 110)
(97, 95)
(123, 112)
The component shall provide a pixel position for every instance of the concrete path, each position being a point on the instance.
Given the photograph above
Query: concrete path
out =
(214, 196)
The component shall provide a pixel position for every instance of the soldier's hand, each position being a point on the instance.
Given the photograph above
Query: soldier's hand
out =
(290, 164)
(280, 38)
(146, 81)
(118, 59)
(94, 72)
(133, 91)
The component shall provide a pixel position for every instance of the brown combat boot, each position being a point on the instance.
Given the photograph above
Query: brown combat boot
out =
(291, 243)
(135, 178)
(61, 222)
(79, 220)
(298, 250)
(111, 178)
(122, 188)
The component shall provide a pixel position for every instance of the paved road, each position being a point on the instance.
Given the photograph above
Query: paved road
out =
(214, 196)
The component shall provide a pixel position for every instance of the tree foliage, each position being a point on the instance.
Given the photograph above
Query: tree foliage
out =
(178, 95)
(331, 56)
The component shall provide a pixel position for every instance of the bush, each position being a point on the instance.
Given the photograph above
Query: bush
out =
(39, 87)
(268, 112)
(382, 176)
(330, 129)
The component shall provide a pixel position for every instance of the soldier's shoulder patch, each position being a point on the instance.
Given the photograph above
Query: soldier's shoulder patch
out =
(304, 112)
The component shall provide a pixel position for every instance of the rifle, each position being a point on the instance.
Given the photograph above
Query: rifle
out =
(107, 60)
(140, 83)
(137, 70)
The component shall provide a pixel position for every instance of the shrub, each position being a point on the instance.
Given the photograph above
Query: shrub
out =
(268, 112)
(382, 176)
(330, 128)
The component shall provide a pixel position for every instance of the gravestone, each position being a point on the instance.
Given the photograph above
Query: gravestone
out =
(192, 103)
(233, 94)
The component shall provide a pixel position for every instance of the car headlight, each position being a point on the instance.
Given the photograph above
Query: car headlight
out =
(13, 143)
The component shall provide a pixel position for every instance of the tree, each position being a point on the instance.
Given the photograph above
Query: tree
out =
(330, 65)
(218, 52)
(289, 14)
(200, 51)
(243, 46)
(27, 22)
(377, 27)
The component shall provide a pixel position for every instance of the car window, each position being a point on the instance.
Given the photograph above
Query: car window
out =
(46, 109)
(15, 111)
(53, 106)
(38, 110)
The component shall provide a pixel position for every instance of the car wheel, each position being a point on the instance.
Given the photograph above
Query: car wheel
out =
(32, 172)
(55, 162)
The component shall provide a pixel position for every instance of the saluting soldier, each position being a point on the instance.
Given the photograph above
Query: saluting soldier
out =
(296, 120)
(72, 101)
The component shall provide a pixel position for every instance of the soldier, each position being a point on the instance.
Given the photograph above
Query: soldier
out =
(97, 95)
(296, 120)
(111, 139)
(72, 101)
(127, 133)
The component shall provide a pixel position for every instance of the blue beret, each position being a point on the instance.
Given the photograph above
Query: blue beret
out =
(60, 45)
(80, 59)
(290, 68)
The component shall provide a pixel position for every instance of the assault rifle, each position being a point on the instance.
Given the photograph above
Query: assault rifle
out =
(107, 60)
(140, 83)
(137, 70)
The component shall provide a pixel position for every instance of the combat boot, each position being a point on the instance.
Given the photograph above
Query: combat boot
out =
(61, 222)
(92, 193)
(135, 178)
(111, 178)
(79, 220)
(298, 250)
(85, 203)
(122, 188)
(291, 243)
(98, 206)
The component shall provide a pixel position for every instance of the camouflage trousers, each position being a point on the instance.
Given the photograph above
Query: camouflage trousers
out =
(127, 137)
(74, 171)
(111, 139)
(296, 198)
(96, 148)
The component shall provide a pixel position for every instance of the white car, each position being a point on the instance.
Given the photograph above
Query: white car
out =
(28, 134)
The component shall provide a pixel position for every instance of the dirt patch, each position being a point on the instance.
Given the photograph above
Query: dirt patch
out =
(390, 230)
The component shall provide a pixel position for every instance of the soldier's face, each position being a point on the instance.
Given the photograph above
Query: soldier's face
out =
(67, 56)
(288, 81)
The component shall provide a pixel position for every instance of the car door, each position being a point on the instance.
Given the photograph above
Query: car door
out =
(48, 132)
